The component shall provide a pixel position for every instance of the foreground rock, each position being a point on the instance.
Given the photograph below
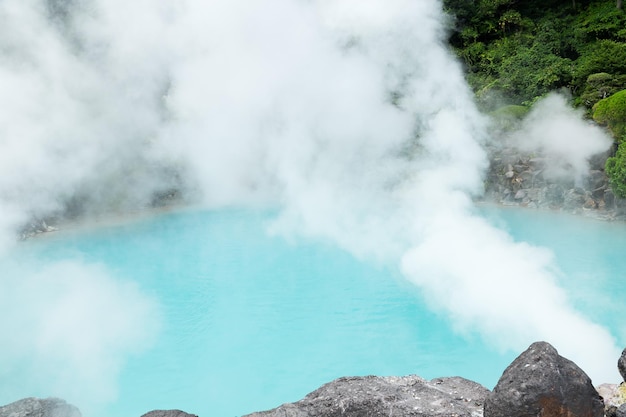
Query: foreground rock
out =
(611, 393)
(35, 407)
(373, 396)
(540, 382)
(168, 413)
(621, 365)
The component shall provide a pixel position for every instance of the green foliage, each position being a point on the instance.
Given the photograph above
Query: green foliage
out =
(511, 111)
(599, 86)
(602, 20)
(510, 20)
(508, 117)
(611, 111)
(600, 56)
(616, 171)
(523, 50)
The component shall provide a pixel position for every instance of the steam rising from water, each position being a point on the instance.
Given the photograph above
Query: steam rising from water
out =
(563, 137)
(349, 116)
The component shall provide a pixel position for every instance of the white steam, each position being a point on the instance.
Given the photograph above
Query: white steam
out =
(350, 116)
(557, 131)
(67, 329)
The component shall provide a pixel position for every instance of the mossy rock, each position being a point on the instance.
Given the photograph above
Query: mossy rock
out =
(511, 111)
(621, 389)
(508, 117)
(611, 112)
(599, 78)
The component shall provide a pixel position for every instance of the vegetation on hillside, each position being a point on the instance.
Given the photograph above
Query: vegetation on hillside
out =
(517, 51)
(612, 112)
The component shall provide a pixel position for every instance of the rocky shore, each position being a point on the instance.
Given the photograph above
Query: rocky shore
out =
(539, 382)
(514, 178)
(518, 178)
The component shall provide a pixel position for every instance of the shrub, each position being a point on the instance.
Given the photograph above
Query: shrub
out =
(602, 20)
(601, 56)
(616, 171)
(599, 86)
(611, 112)
(508, 117)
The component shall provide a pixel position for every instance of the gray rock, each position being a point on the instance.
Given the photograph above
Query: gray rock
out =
(621, 365)
(540, 382)
(373, 396)
(573, 199)
(621, 411)
(35, 407)
(596, 179)
(168, 413)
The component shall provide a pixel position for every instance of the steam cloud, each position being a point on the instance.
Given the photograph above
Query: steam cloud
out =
(560, 133)
(350, 116)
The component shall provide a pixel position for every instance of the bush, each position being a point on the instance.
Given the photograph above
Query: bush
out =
(602, 20)
(533, 72)
(616, 171)
(599, 86)
(508, 117)
(611, 112)
(601, 56)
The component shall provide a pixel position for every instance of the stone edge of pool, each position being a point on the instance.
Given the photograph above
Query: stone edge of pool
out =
(539, 382)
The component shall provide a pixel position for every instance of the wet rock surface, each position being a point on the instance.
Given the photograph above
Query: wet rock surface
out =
(36, 407)
(373, 396)
(540, 382)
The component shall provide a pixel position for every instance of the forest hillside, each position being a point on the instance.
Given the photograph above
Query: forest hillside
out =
(517, 51)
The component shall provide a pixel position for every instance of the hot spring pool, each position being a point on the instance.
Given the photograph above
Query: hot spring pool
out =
(248, 321)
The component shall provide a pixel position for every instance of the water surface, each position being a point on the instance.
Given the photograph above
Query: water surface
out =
(251, 321)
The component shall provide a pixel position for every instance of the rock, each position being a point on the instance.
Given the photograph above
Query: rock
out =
(540, 382)
(596, 179)
(573, 199)
(621, 365)
(609, 198)
(611, 395)
(590, 203)
(35, 407)
(373, 396)
(168, 413)
(621, 411)
(554, 194)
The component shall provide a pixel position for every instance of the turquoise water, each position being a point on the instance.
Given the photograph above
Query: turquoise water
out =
(590, 253)
(251, 321)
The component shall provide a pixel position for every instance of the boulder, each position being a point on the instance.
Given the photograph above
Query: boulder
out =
(373, 396)
(574, 198)
(36, 407)
(614, 411)
(611, 394)
(168, 413)
(621, 365)
(542, 383)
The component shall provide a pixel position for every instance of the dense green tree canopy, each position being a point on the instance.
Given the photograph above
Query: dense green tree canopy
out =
(522, 49)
